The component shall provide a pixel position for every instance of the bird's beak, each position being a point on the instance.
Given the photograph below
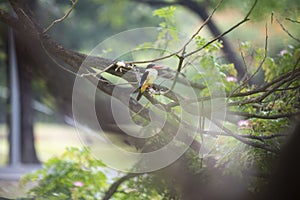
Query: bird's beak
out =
(157, 67)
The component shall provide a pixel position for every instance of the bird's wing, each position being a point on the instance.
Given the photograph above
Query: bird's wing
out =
(143, 79)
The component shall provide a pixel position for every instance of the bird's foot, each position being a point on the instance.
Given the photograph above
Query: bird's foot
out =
(120, 65)
(153, 91)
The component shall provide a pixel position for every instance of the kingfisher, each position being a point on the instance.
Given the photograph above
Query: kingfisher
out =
(148, 79)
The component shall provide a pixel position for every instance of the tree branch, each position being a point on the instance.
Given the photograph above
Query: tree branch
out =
(275, 116)
(204, 46)
(201, 11)
(246, 81)
(62, 18)
(244, 140)
(75, 60)
(286, 31)
(264, 137)
(202, 26)
(292, 20)
(8, 19)
(114, 187)
(266, 89)
(261, 138)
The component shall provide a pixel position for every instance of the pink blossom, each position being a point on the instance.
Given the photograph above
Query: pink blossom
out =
(282, 52)
(244, 123)
(231, 79)
(78, 183)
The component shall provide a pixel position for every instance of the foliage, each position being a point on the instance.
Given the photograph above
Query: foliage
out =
(167, 14)
(73, 175)
(139, 188)
(77, 175)
(240, 156)
(234, 157)
(168, 26)
(263, 8)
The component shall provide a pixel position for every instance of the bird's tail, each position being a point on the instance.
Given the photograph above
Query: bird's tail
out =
(139, 96)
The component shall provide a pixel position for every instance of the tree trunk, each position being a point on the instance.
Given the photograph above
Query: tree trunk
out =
(28, 151)
(21, 140)
(9, 45)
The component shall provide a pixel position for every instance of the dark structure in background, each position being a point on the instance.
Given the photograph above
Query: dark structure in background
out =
(27, 64)
(284, 182)
(21, 114)
(200, 8)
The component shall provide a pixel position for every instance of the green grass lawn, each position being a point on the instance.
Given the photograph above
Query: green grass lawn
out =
(51, 140)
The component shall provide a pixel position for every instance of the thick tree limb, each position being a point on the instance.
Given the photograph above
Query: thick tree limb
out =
(261, 138)
(8, 19)
(275, 116)
(264, 137)
(114, 187)
(75, 60)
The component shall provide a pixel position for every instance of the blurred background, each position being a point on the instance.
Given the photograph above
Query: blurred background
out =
(44, 103)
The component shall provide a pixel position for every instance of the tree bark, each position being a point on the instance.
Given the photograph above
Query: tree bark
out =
(28, 151)
(25, 152)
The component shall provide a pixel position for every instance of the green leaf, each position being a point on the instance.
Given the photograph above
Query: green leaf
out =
(166, 12)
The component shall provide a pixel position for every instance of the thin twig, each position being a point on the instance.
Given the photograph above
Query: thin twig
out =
(259, 99)
(245, 65)
(182, 57)
(295, 66)
(202, 26)
(285, 30)
(63, 18)
(239, 88)
(197, 50)
(153, 60)
(176, 76)
(244, 140)
(292, 20)
(262, 89)
(265, 87)
(226, 32)
(276, 86)
(93, 73)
